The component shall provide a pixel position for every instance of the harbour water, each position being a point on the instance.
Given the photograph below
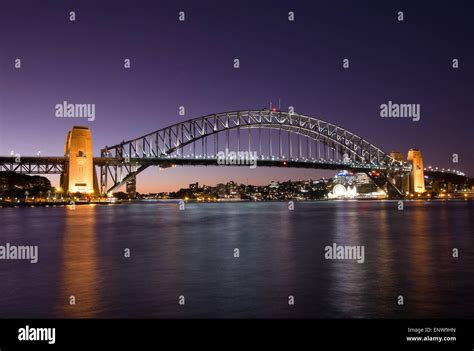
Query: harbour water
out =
(190, 256)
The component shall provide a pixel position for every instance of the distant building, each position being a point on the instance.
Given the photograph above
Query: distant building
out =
(344, 177)
(362, 178)
(233, 188)
(274, 185)
(194, 186)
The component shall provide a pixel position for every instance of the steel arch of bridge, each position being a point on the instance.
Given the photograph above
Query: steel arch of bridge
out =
(129, 158)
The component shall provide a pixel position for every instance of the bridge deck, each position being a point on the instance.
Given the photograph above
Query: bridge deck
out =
(55, 164)
(168, 162)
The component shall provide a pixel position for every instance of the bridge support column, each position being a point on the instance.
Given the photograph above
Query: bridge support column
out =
(417, 177)
(103, 180)
(78, 176)
(131, 187)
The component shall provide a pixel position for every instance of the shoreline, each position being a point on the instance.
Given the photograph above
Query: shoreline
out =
(65, 204)
(53, 204)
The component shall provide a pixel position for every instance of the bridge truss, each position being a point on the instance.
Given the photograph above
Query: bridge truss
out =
(33, 165)
(277, 138)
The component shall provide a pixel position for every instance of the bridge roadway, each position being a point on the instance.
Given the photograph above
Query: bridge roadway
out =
(56, 165)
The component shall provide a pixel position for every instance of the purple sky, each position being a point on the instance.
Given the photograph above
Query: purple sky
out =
(191, 64)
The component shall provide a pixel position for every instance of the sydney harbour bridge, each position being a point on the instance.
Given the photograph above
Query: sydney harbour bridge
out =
(276, 138)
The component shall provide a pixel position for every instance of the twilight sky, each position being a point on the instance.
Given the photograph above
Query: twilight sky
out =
(190, 64)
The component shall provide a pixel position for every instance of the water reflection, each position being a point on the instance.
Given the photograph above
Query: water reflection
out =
(79, 269)
(284, 253)
(348, 275)
(421, 261)
(281, 253)
(383, 260)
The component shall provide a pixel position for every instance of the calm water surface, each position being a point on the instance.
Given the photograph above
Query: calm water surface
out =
(191, 253)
